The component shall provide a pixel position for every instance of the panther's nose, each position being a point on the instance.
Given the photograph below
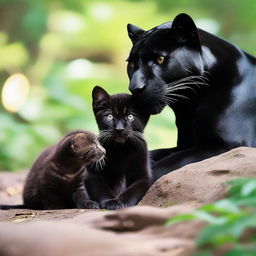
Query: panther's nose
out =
(137, 83)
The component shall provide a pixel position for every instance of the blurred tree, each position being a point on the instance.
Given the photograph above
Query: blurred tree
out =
(66, 47)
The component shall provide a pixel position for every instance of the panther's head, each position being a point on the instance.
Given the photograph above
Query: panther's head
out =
(161, 60)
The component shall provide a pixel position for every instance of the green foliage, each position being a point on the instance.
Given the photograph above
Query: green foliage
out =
(66, 47)
(231, 221)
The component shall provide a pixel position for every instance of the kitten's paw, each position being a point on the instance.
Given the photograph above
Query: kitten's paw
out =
(88, 204)
(111, 204)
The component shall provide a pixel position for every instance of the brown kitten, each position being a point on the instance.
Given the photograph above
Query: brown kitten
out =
(55, 180)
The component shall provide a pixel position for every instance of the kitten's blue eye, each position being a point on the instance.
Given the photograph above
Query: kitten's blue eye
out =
(110, 117)
(130, 117)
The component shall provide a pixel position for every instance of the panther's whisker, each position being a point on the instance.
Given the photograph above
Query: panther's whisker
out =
(189, 71)
(187, 83)
(188, 78)
(179, 88)
(170, 101)
(177, 95)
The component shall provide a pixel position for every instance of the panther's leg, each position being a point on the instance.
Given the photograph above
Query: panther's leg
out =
(182, 158)
(158, 154)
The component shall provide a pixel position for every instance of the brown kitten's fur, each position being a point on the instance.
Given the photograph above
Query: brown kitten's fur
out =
(55, 180)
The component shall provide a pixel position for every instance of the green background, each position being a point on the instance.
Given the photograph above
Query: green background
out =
(67, 47)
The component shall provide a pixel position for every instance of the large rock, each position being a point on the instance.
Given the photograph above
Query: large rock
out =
(202, 182)
(135, 231)
(138, 231)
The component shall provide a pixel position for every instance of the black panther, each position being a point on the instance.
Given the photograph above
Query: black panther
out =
(209, 83)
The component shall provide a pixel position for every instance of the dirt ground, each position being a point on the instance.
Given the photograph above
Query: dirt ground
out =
(11, 185)
(134, 231)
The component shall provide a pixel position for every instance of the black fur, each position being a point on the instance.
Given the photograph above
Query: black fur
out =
(208, 82)
(55, 180)
(125, 177)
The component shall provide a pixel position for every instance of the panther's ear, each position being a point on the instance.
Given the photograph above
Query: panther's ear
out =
(184, 29)
(99, 95)
(134, 32)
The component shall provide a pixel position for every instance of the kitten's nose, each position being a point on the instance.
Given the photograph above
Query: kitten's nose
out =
(137, 91)
(119, 127)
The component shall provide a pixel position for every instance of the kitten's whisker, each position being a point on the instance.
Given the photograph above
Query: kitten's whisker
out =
(140, 135)
(101, 164)
(104, 136)
(134, 141)
(137, 138)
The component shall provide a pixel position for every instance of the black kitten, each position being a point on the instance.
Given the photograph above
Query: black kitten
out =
(55, 181)
(126, 175)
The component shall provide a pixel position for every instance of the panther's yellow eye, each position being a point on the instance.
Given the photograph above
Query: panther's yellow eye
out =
(160, 59)
(132, 64)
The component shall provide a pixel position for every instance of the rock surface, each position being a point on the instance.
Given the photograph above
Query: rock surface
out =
(138, 231)
(102, 233)
(202, 182)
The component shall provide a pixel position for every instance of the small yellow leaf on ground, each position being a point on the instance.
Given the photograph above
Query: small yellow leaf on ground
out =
(13, 190)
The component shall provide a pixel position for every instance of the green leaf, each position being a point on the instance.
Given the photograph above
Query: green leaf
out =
(248, 188)
(226, 206)
(215, 235)
(180, 218)
(202, 253)
(204, 216)
(241, 252)
(237, 186)
(246, 201)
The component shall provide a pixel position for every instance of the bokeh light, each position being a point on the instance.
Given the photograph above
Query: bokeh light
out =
(54, 52)
(15, 92)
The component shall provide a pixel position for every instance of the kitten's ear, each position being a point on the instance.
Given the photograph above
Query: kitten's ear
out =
(99, 95)
(184, 29)
(134, 32)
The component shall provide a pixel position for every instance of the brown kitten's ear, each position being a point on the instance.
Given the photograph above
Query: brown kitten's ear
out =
(184, 29)
(134, 32)
(99, 95)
